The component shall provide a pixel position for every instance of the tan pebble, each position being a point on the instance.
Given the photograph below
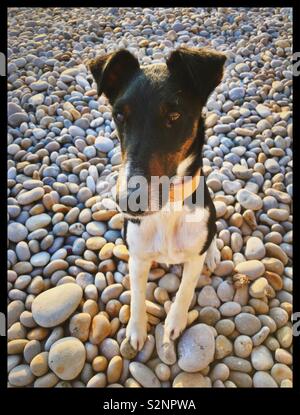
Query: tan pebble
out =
(192, 316)
(124, 314)
(226, 253)
(104, 215)
(121, 252)
(274, 280)
(273, 265)
(79, 326)
(275, 251)
(115, 325)
(236, 220)
(20, 376)
(260, 306)
(286, 383)
(131, 383)
(100, 329)
(107, 265)
(99, 364)
(156, 273)
(283, 356)
(113, 307)
(106, 251)
(161, 295)
(163, 372)
(155, 309)
(224, 347)
(285, 336)
(114, 369)
(16, 331)
(243, 346)
(90, 307)
(281, 372)
(240, 379)
(112, 291)
(38, 333)
(95, 243)
(46, 381)
(16, 346)
(191, 380)
(97, 381)
(39, 364)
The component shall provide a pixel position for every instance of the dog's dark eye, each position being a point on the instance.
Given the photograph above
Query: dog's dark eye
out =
(173, 116)
(120, 117)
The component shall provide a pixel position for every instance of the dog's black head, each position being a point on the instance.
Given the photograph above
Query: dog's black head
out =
(157, 108)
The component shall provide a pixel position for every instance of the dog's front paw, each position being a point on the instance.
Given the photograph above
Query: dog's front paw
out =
(136, 332)
(213, 257)
(176, 322)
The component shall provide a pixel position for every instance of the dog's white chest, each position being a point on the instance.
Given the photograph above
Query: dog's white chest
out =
(169, 237)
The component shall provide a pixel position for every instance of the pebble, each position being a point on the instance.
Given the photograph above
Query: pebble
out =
(16, 232)
(143, 375)
(263, 379)
(255, 248)
(249, 200)
(20, 376)
(66, 358)
(196, 348)
(261, 358)
(54, 306)
(247, 323)
(252, 269)
(191, 380)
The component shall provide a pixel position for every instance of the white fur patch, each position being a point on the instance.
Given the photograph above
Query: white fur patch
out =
(167, 237)
(184, 165)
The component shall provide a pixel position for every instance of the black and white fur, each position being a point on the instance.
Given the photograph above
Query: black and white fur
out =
(157, 110)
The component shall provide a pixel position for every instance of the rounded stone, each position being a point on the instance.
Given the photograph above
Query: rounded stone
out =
(196, 348)
(20, 376)
(67, 357)
(247, 323)
(191, 380)
(54, 306)
(144, 375)
(16, 232)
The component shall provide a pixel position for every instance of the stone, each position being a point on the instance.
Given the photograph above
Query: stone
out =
(254, 248)
(144, 375)
(16, 232)
(252, 269)
(21, 376)
(191, 380)
(263, 380)
(261, 358)
(249, 200)
(67, 357)
(79, 326)
(54, 306)
(208, 297)
(247, 323)
(196, 348)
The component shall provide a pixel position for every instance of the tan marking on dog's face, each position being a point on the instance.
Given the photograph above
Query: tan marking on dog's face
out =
(166, 165)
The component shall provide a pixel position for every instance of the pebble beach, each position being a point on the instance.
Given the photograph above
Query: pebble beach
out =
(68, 282)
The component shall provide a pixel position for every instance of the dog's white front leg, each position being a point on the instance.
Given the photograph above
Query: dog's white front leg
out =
(136, 330)
(176, 319)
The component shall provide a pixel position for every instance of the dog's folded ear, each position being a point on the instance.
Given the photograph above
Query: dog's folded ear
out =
(201, 70)
(112, 71)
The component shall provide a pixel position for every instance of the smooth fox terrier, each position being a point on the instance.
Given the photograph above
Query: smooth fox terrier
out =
(157, 111)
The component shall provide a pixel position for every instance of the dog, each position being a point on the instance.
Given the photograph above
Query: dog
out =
(157, 110)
